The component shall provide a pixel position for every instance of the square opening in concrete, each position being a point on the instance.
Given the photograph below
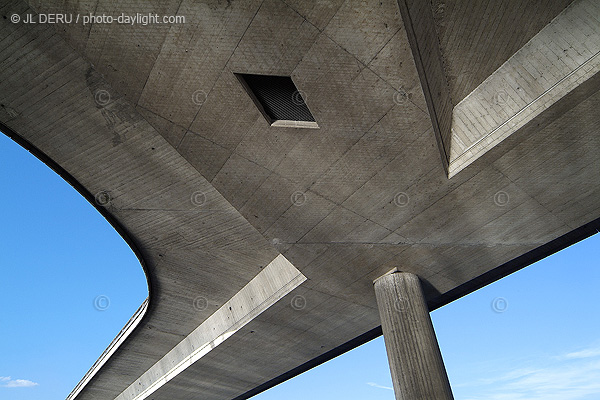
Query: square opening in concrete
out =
(279, 100)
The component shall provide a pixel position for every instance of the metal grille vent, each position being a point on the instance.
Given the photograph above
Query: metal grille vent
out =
(279, 100)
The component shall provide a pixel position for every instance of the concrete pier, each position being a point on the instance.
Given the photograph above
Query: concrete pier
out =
(416, 363)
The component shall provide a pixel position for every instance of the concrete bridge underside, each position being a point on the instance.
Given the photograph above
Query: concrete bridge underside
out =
(456, 142)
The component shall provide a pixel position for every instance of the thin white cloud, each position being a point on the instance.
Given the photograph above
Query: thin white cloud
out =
(379, 386)
(7, 381)
(571, 376)
(586, 353)
(503, 377)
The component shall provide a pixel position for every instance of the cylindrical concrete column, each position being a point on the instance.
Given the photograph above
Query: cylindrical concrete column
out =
(416, 363)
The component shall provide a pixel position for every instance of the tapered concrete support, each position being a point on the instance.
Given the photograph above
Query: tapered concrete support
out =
(416, 363)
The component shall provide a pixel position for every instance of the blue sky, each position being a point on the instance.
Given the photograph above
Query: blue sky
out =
(69, 283)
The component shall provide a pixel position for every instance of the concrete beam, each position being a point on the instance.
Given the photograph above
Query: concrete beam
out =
(111, 349)
(562, 56)
(424, 42)
(416, 363)
(275, 281)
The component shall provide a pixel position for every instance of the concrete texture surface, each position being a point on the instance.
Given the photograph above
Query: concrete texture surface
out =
(558, 59)
(150, 124)
(275, 281)
(415, 359)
